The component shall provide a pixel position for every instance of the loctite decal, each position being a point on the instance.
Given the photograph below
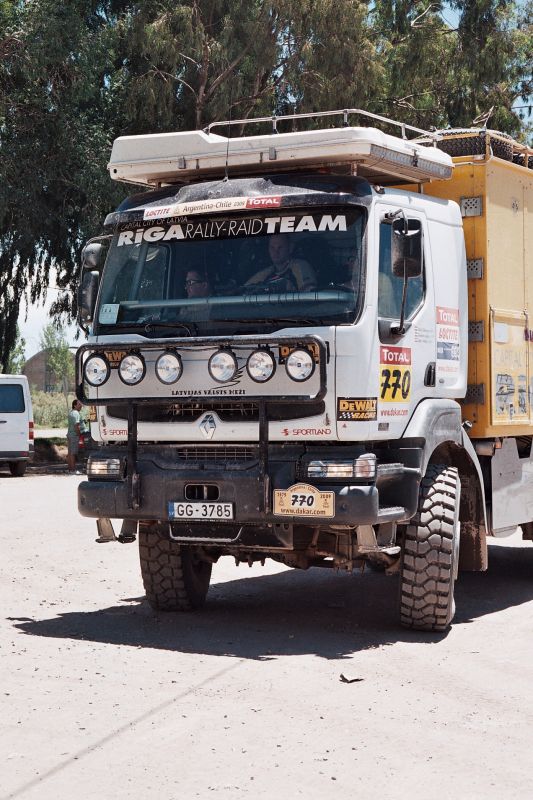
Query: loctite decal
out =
(357, 409)
(448, 343)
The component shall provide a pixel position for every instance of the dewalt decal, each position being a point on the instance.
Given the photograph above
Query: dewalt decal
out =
(114, 357)
(357, 409)
(285, 350)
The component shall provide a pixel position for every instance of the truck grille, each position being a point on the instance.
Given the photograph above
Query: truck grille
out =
(218, 454)
(232, 412)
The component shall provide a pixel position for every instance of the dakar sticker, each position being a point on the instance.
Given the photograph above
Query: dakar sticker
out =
(357, 409)
(395, 374)
(304, 500)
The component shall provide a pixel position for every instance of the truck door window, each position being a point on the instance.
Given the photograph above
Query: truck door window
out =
(390, 287)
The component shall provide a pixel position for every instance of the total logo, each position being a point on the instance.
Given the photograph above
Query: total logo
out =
(263, 202)
(306, 432)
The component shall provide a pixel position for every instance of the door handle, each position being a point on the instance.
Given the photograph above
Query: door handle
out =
(3, 421)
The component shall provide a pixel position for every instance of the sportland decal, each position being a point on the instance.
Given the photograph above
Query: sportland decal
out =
(230, 228)
(306, 431)
(211, 206)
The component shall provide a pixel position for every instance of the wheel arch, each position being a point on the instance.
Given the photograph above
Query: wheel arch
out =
(473, 555)
(437, 423)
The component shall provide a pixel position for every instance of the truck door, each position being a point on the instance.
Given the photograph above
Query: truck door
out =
(407, 358)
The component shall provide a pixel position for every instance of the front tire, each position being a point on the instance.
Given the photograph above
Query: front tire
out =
(431, 553)
(175, 578)
(17, 468)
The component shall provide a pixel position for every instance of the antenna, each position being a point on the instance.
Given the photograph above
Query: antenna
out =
(226, 176)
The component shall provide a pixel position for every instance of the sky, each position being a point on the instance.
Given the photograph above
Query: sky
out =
(38, 317)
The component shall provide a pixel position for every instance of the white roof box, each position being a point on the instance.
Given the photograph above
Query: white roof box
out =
(167, 158)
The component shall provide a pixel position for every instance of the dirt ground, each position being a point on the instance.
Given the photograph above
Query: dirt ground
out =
(102, 698)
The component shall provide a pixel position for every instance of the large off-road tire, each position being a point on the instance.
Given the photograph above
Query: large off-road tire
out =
(175, 578)
(430, 556)
(17, 468)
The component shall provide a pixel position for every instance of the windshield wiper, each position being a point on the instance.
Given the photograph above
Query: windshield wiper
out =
(191, 327)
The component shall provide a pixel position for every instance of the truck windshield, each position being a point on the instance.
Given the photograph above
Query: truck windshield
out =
(303, 267)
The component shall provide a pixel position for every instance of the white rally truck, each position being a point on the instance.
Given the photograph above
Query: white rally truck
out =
(306, 346)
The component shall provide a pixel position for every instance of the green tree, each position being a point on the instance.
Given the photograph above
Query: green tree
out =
(58, 357)
(55, 138)
(75, 75)
(17, 356)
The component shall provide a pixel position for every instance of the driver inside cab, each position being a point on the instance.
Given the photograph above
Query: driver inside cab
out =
(286, 273)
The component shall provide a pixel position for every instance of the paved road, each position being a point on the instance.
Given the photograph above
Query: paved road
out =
(101, 698)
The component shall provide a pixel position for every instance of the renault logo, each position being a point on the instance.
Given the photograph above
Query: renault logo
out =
(208, 426)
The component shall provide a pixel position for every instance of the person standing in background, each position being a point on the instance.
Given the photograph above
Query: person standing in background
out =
(73, 437)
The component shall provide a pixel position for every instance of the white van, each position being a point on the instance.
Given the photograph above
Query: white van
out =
(16, 423)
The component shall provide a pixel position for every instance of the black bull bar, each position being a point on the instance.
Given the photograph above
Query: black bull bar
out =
(191, 343)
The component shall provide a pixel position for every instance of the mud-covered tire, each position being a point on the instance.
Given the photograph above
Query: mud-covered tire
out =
(430, 556)
(175, 578)
(17, 468)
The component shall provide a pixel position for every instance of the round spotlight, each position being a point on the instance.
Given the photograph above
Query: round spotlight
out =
(168, 368)
(222, 366)
(261, 365)
(96, 370)
(300, 365)
(131, 370)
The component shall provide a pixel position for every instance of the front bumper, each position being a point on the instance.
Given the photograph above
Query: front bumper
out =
(161, 479)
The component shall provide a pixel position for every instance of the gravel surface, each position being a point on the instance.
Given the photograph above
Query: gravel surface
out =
(289, 684)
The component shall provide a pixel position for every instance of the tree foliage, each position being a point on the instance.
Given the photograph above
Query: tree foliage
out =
(58, 357)
(17, 356)
(73, 76)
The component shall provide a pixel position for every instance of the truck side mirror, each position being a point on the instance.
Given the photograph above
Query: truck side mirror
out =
(92, 255)
(87, 295)
(406, 248)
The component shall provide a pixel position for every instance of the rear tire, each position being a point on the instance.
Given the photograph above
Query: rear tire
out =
(431, 553)
(17, 468)
(175, 578)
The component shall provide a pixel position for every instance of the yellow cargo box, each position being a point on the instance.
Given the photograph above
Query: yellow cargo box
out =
(496, 200)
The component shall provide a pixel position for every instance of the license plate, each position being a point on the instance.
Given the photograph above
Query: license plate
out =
(304, 500)
(210, 511)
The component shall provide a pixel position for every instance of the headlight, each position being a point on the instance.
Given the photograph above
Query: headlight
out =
(261, 365)
(131, 370)
(222, 366)
(96, 370)
(168, 368)
(104, 468)
(364, 466)
(300, 365)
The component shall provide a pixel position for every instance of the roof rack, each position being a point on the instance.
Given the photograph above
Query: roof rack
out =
(176, 158)
(345, 112)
